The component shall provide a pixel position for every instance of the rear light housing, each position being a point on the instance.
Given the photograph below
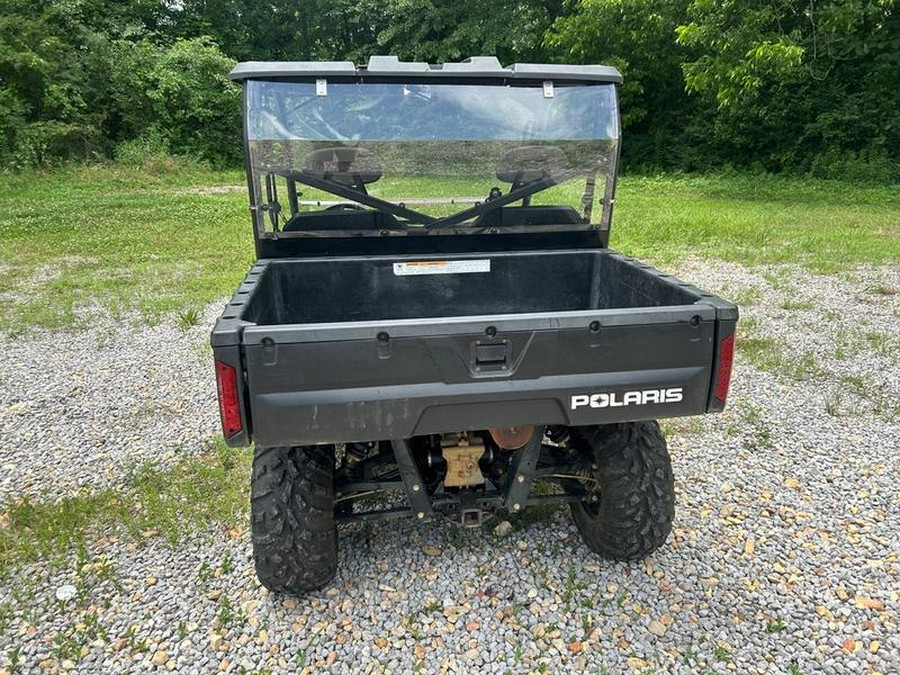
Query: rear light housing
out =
(723, 376)
(229, 404)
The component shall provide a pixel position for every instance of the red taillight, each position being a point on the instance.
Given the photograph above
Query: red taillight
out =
(229, 406)
(726, 358)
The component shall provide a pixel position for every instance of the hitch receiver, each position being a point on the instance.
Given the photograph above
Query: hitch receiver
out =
(471, 517)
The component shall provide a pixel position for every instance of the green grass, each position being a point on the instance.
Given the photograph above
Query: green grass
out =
(188, 319)
(885, 345)
(745, 297)
(882, 290)
(795, 305)
(824, 225)
(883, 406)
(772, 355)
(776, 626)
(721, 653)
(172, 502)
(172, 240)
(767, 353)
(126, 238)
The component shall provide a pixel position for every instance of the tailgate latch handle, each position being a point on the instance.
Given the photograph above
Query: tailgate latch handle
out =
(490, 356)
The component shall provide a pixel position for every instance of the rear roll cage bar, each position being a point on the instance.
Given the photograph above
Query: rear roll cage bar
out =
(400, 210)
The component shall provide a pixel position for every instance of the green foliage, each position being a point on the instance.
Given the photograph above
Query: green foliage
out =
(865, 166)
(452, 31)
(637, 37)
(80, 77)
(772, 87)
(147, 148)
(196, 102)
(178, 100)
(800, 86)
(356, 29)
(43, 143)
(745, 45)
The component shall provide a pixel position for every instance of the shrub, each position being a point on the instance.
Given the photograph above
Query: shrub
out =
(196, 103)
(177, 100)
(149, 147)
(865, 166)
(45, 143)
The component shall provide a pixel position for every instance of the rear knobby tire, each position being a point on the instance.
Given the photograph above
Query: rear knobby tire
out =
(632, 511)
(292, 523)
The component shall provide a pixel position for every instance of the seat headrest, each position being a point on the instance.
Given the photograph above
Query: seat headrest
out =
(344, 165)
(530, 163)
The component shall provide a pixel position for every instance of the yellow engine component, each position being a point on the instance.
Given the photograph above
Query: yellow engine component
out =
(462, 465)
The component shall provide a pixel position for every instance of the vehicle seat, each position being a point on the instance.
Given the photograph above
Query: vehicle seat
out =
(530, 163)
(353, 167)
(341, 217)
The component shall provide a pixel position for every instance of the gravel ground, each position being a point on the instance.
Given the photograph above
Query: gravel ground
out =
(784, 558)
(90, 404)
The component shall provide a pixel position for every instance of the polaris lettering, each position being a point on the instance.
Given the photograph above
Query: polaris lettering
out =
(618, 400)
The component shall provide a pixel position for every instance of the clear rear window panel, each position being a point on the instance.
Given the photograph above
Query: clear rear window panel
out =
(414, 159)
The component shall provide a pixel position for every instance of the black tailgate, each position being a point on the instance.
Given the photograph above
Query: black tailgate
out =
(381, 380)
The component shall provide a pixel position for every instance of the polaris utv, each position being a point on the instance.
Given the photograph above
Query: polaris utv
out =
(435, 323)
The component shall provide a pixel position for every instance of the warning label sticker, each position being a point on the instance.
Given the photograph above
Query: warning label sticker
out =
(441, 267)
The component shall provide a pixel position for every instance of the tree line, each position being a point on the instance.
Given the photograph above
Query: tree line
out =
(787, 86)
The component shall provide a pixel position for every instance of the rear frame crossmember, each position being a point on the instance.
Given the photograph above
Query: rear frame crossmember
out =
(513, 497)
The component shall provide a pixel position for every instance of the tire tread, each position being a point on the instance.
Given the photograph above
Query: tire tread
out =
(637, 490)
(292, 526)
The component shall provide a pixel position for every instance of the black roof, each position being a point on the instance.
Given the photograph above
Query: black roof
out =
(480, 67)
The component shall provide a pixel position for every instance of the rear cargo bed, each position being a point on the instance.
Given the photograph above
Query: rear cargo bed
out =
(373, 348)
(366, 289)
